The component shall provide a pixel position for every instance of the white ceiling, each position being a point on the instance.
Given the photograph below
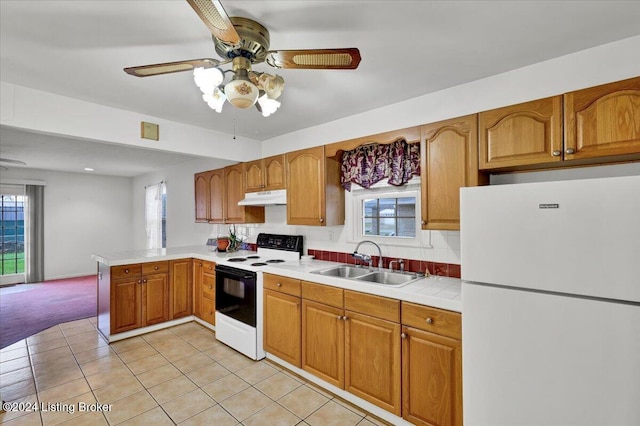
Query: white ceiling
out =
(409, 48)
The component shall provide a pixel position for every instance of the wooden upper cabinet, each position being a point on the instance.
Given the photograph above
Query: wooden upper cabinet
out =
(234, 192)
(449, 161)
(523, 134)
(267, 174)
(201, 189)
(603, 120)
(223, 188)
(314, 194)
(216, 196)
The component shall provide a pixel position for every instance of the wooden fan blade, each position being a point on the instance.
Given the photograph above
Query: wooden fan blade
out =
(216, 19)
(330, 59)
(170, 67)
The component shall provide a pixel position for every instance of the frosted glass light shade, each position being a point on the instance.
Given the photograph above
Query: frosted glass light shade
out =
(241, 93)
(207, 79)
(267, 105)
(215, 100)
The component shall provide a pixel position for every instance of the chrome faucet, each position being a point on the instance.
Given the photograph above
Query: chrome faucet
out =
(366, 257)
(399, 262)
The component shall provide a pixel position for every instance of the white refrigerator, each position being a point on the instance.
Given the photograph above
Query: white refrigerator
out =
(551, 303)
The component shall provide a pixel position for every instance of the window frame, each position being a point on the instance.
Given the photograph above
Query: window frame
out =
(355, 214)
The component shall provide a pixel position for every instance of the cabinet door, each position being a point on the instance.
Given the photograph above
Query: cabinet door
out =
(449, 157)
(282, 326)
(372, 360)
(234, 193)
(274, 173)
(125, 304)
(155, 299)
(305, 192)
(323, 342)
(208, 301)
(216, 196)
(181, 288)
(254, 176)
(603, 120)
(201, 189)
(520, 135)
(197, 287)
(431, 378)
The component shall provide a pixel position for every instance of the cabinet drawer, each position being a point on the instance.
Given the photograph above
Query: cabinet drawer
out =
(375, 306)
(208, 266)
(209, 290)
(282, 284)
(435, 320)
(155, 267)
(208, 311)
(328, 295)
(125, 271)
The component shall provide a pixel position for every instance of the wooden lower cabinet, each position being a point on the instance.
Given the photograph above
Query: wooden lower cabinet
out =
(205, 290)
(323, 342)
(155, 299)
(126, 307)
(180, 288)
(372, 360)
(431, 365)
(406, 360)
(282, 312)
(431, 378)
(139, 295)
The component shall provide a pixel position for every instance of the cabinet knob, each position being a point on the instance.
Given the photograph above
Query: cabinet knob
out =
(279, 284)
(210, 312)
(429, 320)
(570, 151)
(424, 222)
(210, 287)
(139, 281)
(556, 153)
(210, 267)
(339, 317)
(126, 271)
(321, 220)
(144, 281)
(403, 335)
(345, 318)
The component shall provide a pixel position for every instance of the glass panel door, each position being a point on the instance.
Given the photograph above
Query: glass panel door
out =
(12, 234)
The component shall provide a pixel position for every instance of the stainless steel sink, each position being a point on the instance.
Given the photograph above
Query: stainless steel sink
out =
(342, 271)
(364, 274)
(388, 278)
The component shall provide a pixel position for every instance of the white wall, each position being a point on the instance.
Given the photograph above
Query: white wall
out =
(84, 214)
(181, 227)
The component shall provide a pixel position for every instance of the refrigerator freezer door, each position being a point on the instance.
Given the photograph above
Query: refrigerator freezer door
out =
(575, 237)
(538, 359)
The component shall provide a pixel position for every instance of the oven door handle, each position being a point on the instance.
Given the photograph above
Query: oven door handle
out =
(235, 273)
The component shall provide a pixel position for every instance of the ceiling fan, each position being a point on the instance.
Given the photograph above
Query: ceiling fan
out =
(244, 42)
(9, 161)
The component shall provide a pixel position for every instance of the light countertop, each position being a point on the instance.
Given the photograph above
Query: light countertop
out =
(435, 291)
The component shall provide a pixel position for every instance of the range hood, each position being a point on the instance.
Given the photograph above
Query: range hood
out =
(264, 198)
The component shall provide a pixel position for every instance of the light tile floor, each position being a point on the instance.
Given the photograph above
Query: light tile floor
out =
(180, 375)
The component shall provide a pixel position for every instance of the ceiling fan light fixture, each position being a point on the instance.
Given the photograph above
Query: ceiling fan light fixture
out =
(241, 93)
(215, 100)
(267, 106)
(207, 79)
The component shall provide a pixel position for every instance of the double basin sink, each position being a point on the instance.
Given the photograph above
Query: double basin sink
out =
(376, 276)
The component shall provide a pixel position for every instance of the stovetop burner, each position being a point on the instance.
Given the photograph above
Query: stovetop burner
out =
(259, 264)
(253, 257)
(237, 259)
(275, 260)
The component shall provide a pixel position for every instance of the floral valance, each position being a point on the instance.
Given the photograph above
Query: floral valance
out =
(369, 164)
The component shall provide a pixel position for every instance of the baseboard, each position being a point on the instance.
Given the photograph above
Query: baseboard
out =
(64, 277)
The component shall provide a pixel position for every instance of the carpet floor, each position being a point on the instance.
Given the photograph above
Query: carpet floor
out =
(26, 309)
